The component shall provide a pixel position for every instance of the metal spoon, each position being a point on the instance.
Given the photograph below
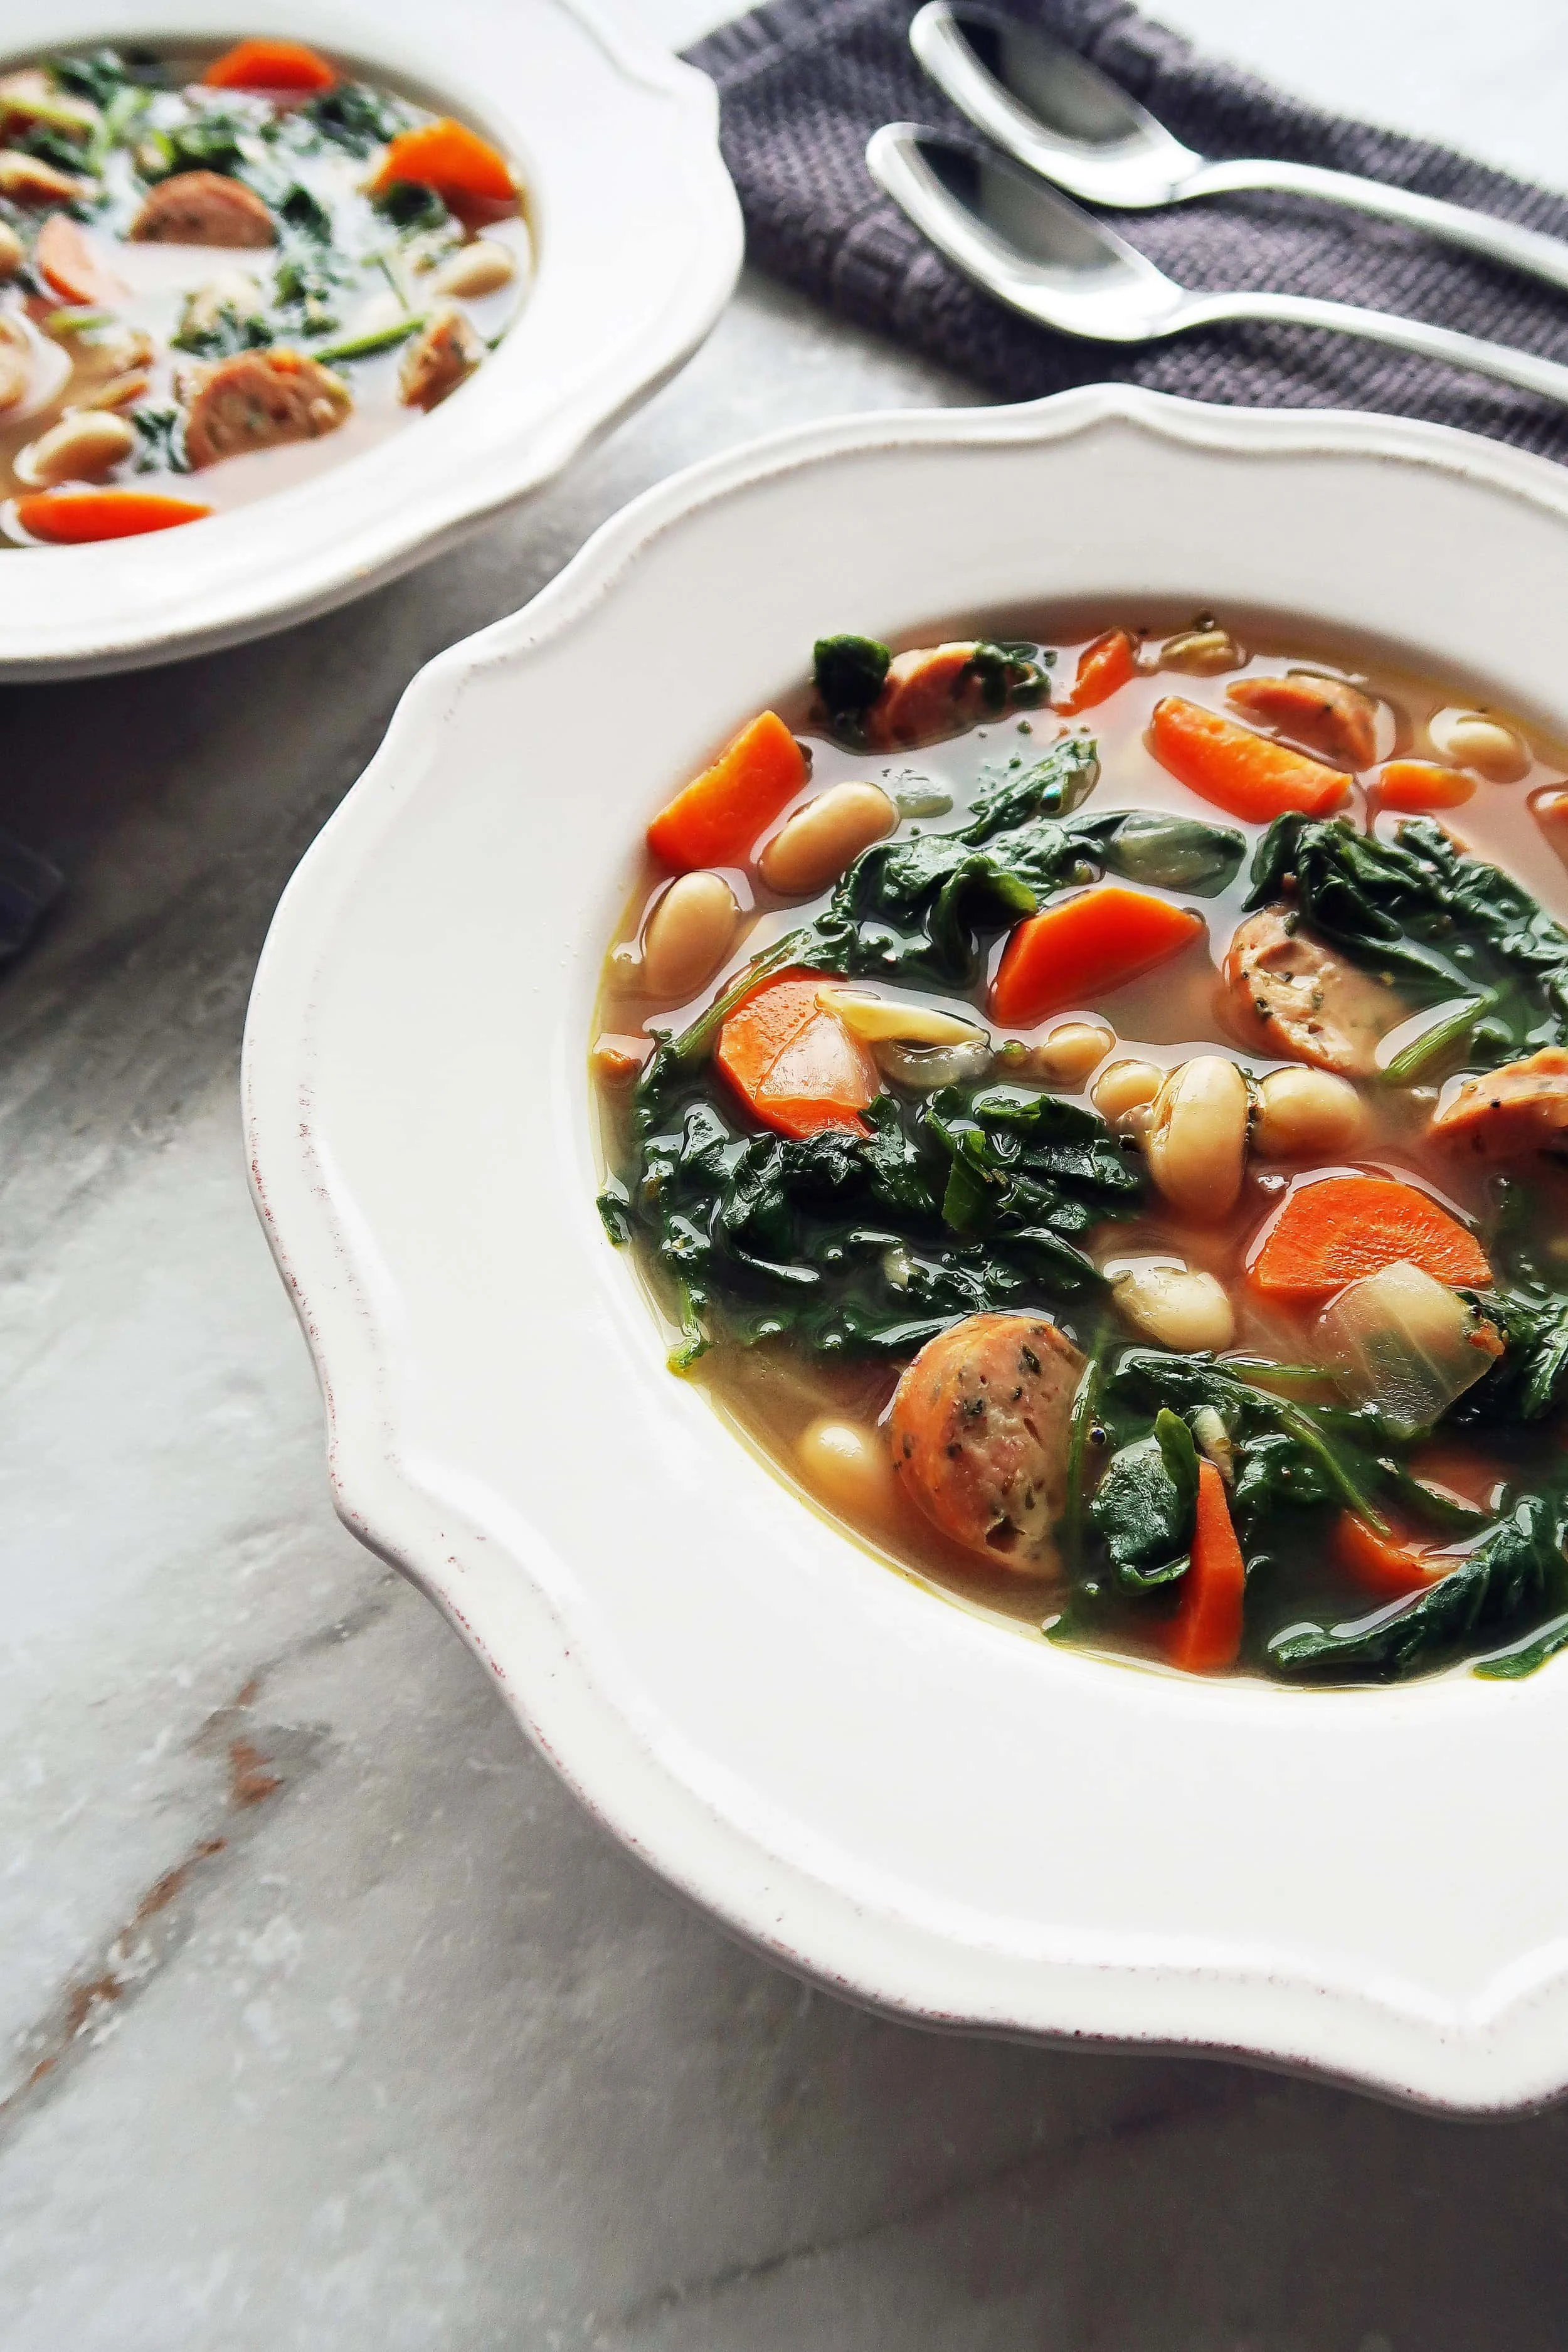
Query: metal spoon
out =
(1041, 255)
(1063, 118)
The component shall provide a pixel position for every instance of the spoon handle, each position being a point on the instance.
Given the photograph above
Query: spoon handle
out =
(1520, 248)
(1548, 377)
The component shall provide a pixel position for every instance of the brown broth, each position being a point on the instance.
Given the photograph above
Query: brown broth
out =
(770, 1393)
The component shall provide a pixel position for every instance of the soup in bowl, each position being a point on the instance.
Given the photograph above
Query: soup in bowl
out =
(223, 272)
(1092, 1106)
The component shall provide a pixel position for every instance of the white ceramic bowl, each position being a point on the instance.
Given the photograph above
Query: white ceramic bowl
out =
(639, 244)
(916, 1807)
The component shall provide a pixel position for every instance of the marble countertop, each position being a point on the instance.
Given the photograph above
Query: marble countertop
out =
(328, 2019)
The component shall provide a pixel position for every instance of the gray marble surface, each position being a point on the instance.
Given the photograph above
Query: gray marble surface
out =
(328, 2019)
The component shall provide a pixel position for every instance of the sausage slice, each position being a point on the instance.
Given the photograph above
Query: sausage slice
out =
(926, 694)
(1285, 993)
(259, 400)
(979, 1428)
(442, 355)
(1505, 1113)
(203, 208)
(1326, 716)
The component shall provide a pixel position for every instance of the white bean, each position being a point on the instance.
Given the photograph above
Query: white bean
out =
(688, 936)
(77, 449)
(474, 270)
(1125, 1088)
(1303, 1110)
(1067, 1056)
(848, 1465)
(1181, 1309)
(1202, 653)
(1471, 740)
(821, 838)
(1197, 1137)
(16, 359)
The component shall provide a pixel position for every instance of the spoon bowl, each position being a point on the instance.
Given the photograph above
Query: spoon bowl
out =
(1038, 252)
(1061, 117)
(1050, 108)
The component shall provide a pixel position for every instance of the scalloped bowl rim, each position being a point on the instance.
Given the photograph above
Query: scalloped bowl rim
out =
(1351, 1954)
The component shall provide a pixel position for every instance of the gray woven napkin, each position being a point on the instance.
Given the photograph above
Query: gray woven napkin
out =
(803, 83)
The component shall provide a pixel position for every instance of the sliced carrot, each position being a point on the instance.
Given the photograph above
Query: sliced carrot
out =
(1073, 952)
(70, 517)
(1347, 1226)
(797, 1068)
(65, 258)
(716, 820)
(1206, 1635)
(1249, 776)
(464, 170)
(1382, 1564)
(270, 65)
(1102, 668)
(1413, 786)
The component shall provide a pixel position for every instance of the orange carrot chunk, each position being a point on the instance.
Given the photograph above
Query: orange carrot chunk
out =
(70, 517)
(1335, 1232)
(1247, 775)
(65, 259)
(716, 820)
(1382, 1564)
(1413, 786)
(270, 65)
(464, 169)
(796, 1067)
(1073, 952)
(1102, 668)
(1206, 1635)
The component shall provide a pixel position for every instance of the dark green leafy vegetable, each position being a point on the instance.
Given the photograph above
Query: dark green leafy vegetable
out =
(1327, 1453)
(1014, 673)
(1434, 921)
(305, 213)
(410, 205)
(1145, 1502)
(231, 331)
(849, 673)
(866, 1246)
(306, 288)
(1511, 1665)
(49, 144)
(1516, 1570)
(1531, 1379)
(919, 908)
(354, 117)
(210, 142)
(104, 73)
(161, 434)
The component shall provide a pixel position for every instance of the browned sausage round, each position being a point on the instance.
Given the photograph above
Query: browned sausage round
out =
(1505, 1113)
(259, 400)
(203, 208)
(440, 358)
(930, 691)
(1325, 715)
(1287, 993)
(979, 1430)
